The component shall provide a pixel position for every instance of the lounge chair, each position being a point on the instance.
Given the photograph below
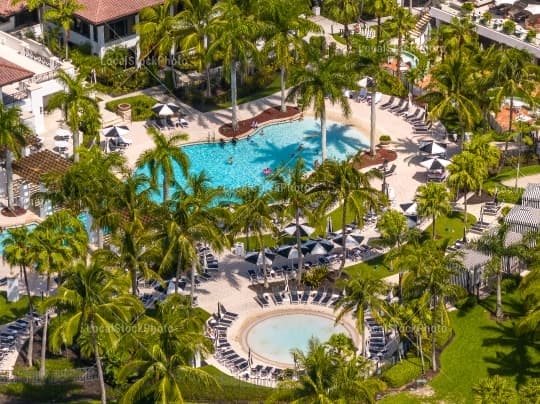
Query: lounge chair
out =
(318, 296)
(362, 95)
(277, 296)
(294, 296)
(267, 371)
(335, 299)
(262, 300)
(305, 295)
(229, 314)
(398, 106)
(182, 123)
(326, 299)
(403, 109)
(412, 115)
(388, 103)
(390, 171)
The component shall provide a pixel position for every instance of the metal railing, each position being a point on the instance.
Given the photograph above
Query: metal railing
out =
(14, 98)
(53, 376)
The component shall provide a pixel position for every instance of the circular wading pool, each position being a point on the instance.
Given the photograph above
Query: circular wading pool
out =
(274, 337)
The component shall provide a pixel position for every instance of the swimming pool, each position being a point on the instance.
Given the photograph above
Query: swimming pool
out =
(4, 235)
(236, 165)
(274, 337)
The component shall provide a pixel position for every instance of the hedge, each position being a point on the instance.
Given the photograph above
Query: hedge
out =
(140, 106)
(403, 372)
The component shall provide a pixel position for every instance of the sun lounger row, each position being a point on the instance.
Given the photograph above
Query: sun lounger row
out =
(294, 296)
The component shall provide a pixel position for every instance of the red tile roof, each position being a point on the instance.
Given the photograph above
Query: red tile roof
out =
(12, 73)
(7, 9)
(98, 12)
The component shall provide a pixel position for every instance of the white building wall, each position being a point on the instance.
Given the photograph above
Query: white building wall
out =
(9, 25)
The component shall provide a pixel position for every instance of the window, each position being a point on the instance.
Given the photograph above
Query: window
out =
(119, 28)
(81, 27)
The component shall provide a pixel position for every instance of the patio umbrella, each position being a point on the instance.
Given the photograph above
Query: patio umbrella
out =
(365, 82)
(435, 164)
(63, 134)
(409, 208)
(165, 109)
(115, 130)
(305, 230)
(350, 241)
(290, 251)
(319, 246)
(257, 258)
(431, 147)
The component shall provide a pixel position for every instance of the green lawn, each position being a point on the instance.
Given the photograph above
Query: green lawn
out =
(140, 106)
(12, 311)
(481, 348)
(450, 227)
(375, 267)
(272, 88)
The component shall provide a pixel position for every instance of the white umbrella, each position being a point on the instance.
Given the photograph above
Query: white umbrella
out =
(431, 147)
(409, 208)
(115, 130)
(435, 164)
(63, 134)
(165, 109)
(365, 82)
(125, 140)
(257, 258)
(305, 230)
(350, 241)
(319, 246)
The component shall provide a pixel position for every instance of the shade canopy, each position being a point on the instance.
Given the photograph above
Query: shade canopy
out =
(305, 230)
(115, 130)
(290, 251)
(257, 258)
(432, 147)
(319, 246)
(365, 82)
(351, 241)
(435, 164)
(409, 208)
(168, 109)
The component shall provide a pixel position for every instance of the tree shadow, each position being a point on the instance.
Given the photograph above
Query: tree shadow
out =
(466, 305)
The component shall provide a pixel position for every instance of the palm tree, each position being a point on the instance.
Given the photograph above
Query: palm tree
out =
(196, 21)
(401, 25)
(361, 293)
(191, 218)
(429, 279)
(494, 389)
(452, 91)
(234, 39)
(61, 12)
(500, 252)
(284, 41)
(54, 245)
(458, 36)
(482, 147)
(16, 252)
(258, 212)
(76, 103)
(380, 9)
(343, 12)
(291, 191)
(171, 341)
(513, 75)
(530, 288)
(92, 302)
(13, 137)
(322, 78)
(433, 201)
(158, 31)
(340, 183)
(136, 242)
(162, 159)
(392, 226)
(467, 173)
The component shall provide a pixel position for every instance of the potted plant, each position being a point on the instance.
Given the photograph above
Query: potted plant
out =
(385, 139)
(486, 18)
(467, 8)
(531, 35)
(509, 27)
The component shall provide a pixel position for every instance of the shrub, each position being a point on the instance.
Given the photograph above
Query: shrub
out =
(403, 372)
(487, 17)
(140, 106)
(467, 8)
(385, 138)
(531, 35)
(509, 27)
(315, 276)
(510, 284)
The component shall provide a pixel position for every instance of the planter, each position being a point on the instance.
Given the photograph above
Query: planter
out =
(124, 107)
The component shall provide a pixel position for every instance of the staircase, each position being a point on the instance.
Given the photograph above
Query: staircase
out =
(421, 24)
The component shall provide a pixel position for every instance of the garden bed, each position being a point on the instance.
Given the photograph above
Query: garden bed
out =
(140, 106)
(270, 114)
(364, 159)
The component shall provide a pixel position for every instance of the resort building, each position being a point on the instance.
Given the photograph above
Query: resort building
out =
(523, 219)
(531, 196)
(13, 17)
(491, 21)
(28, 77)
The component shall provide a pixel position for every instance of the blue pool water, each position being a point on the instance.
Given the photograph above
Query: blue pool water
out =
(270, 147)
(274, 337)
(4, 234)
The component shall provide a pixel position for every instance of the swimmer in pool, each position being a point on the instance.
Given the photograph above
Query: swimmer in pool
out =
(230, 160)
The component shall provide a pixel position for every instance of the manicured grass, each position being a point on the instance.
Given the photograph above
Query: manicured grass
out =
(140, 106)
(12, 311)
(450, 227)
(510, 173)
(45, 393)
(375, 268)
(231, 390)
(272, 88)
(508, 193)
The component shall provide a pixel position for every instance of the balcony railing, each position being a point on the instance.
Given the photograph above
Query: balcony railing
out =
(14, 98)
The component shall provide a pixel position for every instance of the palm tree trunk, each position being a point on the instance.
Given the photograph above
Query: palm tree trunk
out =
(499, 310)
(398, 58)
(347, 34)
(9, 177)
(42, 368)
(361, 329)
(233, 96)
(465, 215)
(100, 237)
(208, 81)
(76, 144)
(133, 275)
(166, 191)
(511, 114)
(373, 119)
(178, 272)
(434, 336)
(282, 85)
(421, 351)
(98, 364)
(265, 275)
(30, 351)
(193, 274)
(323, 133)
(66, 39)
(343, 228)
(433, 225)
(299, 247)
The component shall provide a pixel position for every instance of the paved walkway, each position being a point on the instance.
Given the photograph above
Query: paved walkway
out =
(523, 181)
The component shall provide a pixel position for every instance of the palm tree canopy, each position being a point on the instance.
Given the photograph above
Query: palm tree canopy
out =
(13, 132)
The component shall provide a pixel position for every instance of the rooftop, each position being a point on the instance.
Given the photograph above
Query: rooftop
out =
(12, 73)
(31, 168)
(532, 191)
(7, 9)
(524, 215)
(98, 12)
